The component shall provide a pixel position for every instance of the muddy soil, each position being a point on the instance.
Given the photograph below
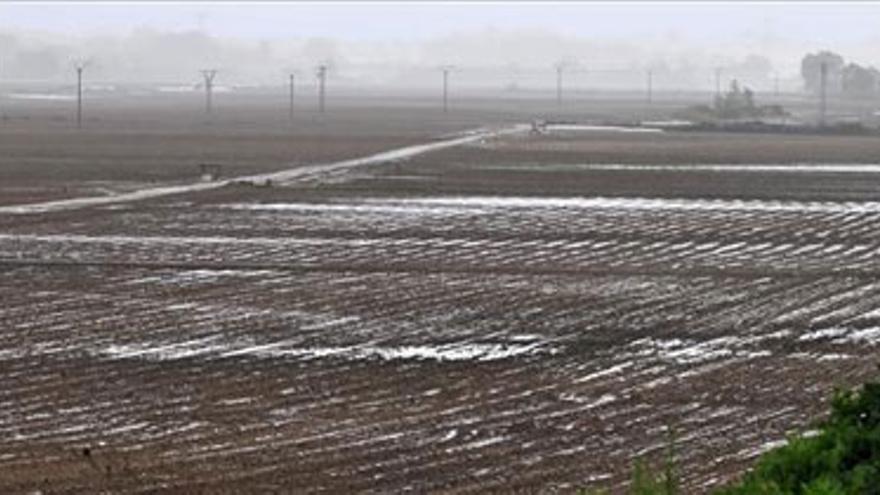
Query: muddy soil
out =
(462, 322)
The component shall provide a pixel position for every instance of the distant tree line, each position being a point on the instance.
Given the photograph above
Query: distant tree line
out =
(847, 79)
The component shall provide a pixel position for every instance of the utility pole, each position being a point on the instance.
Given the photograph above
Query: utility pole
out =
(322, 78)
(209, 75)
(559, 68)
(79, 95)
(290, 108)
(823, 86)
(446, 69)
(445, 90)
(650, 86)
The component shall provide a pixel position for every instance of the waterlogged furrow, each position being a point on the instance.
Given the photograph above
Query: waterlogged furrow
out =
(585, 234)
(435, 344)
(440, 253)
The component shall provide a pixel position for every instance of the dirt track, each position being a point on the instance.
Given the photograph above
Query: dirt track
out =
(442, 324)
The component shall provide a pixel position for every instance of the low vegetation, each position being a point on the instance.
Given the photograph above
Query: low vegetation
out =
(737, 104)
(842, 458)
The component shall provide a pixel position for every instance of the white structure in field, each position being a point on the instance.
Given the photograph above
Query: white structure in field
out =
(209, 171)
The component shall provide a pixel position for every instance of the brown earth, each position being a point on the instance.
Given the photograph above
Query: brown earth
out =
(462, 322)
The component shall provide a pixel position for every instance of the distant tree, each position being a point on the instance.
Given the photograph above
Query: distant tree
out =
(736, 103)
(859, 81)
(811, 69)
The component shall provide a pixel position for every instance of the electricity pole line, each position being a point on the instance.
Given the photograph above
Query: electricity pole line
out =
(208, 75)
(290, 109)
(446, 69)
(823, 86)
(559, 68)
(322, 80)
(79, 95)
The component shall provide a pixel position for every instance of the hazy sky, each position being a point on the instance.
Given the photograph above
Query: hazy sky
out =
(827, 23)
(253, 41)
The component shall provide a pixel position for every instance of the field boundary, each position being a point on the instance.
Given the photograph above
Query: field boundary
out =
(283, 176)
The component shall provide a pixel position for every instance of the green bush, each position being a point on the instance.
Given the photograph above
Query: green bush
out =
(842, 459)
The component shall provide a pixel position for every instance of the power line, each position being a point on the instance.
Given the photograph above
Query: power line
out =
(290, 109)
(322, 80)
(559, 68)
(208, 75)
(446, 69)
(823, 84)
(79, 94)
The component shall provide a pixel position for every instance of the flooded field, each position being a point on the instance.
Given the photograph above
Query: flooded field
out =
(458, 320)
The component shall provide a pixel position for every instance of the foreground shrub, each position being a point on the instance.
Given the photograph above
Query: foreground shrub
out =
(646, 481)
(842, 459)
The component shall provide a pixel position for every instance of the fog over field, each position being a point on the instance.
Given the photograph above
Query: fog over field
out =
(513, 46)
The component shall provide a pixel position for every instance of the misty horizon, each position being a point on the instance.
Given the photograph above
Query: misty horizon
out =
(490, 46)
